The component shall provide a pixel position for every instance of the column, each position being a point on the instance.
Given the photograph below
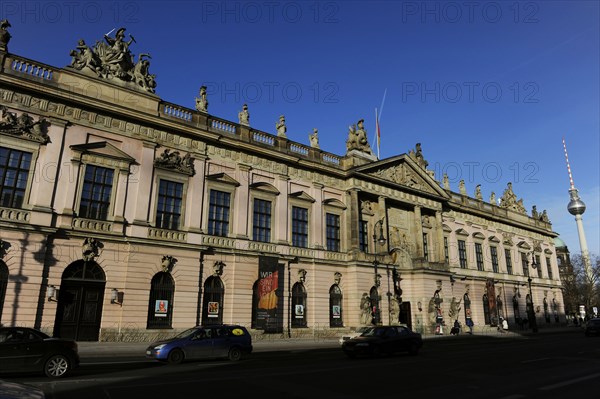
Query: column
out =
(141, 187)
(352, 220)
(281, 210)
(439, 234)
(242, 202)
(317, 230)
(195, 195)
(418, 232)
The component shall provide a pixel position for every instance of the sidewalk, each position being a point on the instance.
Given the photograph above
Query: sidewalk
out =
(108, 349)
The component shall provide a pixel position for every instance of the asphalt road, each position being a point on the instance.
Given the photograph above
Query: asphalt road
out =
(565, 364)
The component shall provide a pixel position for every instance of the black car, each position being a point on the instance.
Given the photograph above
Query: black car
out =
(592, 327)
(383, 340)
(203, 342)
(25, 349)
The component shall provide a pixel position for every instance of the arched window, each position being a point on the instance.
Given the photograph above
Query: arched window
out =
(82, 270)
(160, 307)
(212, 305)
(335, 306)
(298, 305)
(486, 309)
(3, 284)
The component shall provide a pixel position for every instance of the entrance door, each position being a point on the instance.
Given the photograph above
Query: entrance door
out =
(79, 310)
(405, 315)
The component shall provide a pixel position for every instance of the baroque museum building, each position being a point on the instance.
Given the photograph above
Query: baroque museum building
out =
(125, 217)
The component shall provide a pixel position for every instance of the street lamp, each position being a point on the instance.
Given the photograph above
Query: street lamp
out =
(531, 314)
(381, 241)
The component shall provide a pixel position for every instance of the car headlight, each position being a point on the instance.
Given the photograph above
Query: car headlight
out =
(159, 347)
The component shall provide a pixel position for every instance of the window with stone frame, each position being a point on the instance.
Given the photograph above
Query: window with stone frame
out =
(363, 236)
(479, 256)
(446, 250)
(539, 265)
(548, 267)
(425, 247)
(169, 205)
(96, 192)
(299, 227)
(494, 255)
(462, 253)
(218, 213)
(525, 264)
(14, 175)
(261, 225)
(508, 258)
(332, 222)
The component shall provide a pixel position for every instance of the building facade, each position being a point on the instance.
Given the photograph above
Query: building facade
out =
(123, 216)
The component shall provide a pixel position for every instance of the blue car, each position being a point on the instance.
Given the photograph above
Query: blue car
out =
(228, 341)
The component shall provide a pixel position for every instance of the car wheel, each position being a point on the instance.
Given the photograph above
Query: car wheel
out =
(235, 354)
(176, 356)
(413, 349)
(57, 366)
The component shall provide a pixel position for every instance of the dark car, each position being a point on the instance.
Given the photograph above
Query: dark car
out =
(204, 342)
(25, 349)
(592, 327)
(383, 340)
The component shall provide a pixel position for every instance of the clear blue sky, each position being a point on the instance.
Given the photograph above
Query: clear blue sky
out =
(489, 88)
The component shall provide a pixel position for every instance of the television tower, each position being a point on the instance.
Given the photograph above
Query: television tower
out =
(576, 208)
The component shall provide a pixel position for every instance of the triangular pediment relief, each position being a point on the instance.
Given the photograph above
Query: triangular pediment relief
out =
(335, 203)
(301, 195)
(494, 239)
(478, 235)
(446, 228)
(223, 178)
(403, 171)
(266, 187)
(462, 232)
(524, 245)
(103, 149)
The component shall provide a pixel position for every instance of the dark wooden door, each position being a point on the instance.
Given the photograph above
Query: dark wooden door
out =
(79, 310)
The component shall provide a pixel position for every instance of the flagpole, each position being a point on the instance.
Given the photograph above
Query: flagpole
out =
(377, 132)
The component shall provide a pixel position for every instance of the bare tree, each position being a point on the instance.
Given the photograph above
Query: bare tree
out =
(581, 289)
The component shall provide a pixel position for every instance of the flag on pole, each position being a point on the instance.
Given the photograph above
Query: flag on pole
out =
(377, 132)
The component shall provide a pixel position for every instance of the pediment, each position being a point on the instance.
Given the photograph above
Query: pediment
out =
(266, 187)
(223, 178)
(478, 236)
(335, 203)
(524, 245)
(402, 170)
(301, 195)
(103, 149)
(462, 232)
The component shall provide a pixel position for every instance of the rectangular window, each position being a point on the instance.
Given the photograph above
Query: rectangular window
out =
(524, 264)
(425, 249)
(168, 211)
(363, 236)
(218, 213)
(446, 254)
(333, 232)
(508, 261)
(299, 227)
(549, 268)
(261, 228)
(479, 256)
(96, 192)
(539, 266)
(494, 253)
(14, 172)
(462, 253)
